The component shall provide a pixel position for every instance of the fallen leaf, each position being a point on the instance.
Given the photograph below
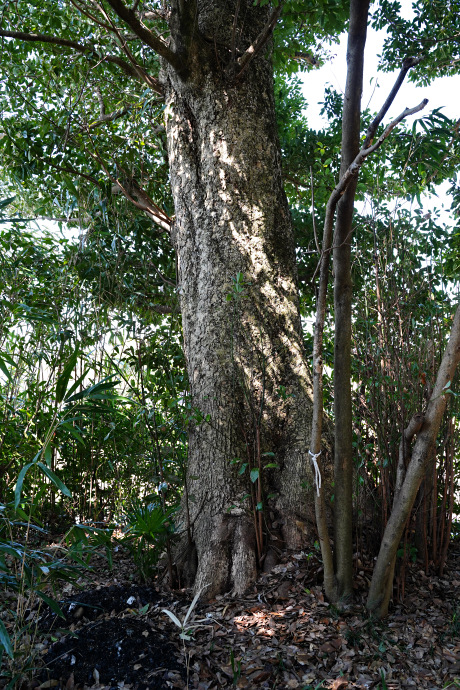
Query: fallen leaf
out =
(339, 683)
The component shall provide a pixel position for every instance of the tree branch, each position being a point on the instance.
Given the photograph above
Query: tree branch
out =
(135, 72)
(404, 455)
(137, 196)
(407, 64)
(317, 414)
(255, 47)
(306, 57)
(162, 309)
(91, 16)
(147, 36)
(109, 117)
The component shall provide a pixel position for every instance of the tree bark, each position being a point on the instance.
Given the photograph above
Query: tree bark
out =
(239, 301)
(380, 589)
(343, 457)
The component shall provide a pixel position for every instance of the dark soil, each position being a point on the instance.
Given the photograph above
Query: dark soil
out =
(109, 650)
(89, 605)
(111, 638)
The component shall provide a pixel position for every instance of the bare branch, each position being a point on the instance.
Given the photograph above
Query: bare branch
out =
(407, 64)
(137, 196)
(382, 577)
(306, 57)
(91, 16)
(255, 47)
(406, 113)
(147, 36)
(404, 455)
(317, 416)
(109, 117)
(153, 83)
(162, 309)
(313, 209)
(141, 200)
(355, 166)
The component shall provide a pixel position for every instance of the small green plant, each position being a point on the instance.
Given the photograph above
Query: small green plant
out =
(148, 530)
(31, 570)
(186, 630)
(353, 637)
(238, 289)
(382, 684)
(85, 540)
(236, 668)
(412, 553)
(185, 627)
(455, 622)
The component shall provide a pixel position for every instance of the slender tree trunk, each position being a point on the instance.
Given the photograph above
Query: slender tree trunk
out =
(338, 576)
(343, 456)
(380, 589)
(239, 303)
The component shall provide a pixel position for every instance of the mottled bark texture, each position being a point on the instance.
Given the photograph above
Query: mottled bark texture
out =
(232, 218)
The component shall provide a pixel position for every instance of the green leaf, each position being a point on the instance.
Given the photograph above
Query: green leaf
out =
(254, 475)
(55, 479)
(75, 385)
(20, 481)
(63, 380)
(98, 391)
(70, 186)
(173, 617)
(5, 640)
(73, 431)
(11, 551)
(3, 367)
(54, 606)
(6, 202)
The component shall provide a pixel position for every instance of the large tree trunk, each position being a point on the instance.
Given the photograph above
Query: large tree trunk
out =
(241, 347)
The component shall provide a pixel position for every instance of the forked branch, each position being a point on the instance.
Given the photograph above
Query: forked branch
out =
(130, 18)
(318, 411)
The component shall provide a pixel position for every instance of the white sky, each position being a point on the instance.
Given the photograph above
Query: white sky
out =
(443, 93)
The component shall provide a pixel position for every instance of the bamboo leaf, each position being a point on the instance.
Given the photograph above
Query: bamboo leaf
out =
(20, 481)
(54, 606)
(5, 640)
(55, 479)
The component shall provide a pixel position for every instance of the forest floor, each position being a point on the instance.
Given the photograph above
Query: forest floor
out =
(281, 634)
